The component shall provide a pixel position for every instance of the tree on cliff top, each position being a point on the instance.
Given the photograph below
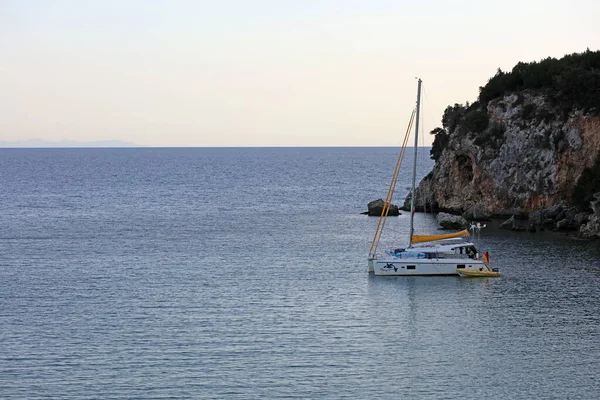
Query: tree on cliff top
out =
(573, 81)
(439, 143)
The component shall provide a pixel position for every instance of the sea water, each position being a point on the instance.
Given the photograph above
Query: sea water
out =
(240, 273)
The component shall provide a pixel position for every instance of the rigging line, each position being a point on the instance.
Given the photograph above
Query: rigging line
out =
(395, 181)
(385, 210)
(392, 188)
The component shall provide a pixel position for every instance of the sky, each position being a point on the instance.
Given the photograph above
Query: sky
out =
(263, 72)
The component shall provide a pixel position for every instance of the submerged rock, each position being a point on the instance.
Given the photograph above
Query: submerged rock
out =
(513, 225)
(449, 221)
(376, 207)
(510, 223)
(537, 217)
(556, 213)
(549, 223)
(563, 225)
(581, 218)
(591, 230)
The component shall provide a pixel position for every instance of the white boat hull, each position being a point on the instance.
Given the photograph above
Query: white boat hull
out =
(371, 266)
(424, 267)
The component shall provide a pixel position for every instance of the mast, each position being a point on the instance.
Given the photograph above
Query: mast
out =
(414, 176)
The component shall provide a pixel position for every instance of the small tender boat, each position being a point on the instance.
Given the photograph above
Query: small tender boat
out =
(478, 273)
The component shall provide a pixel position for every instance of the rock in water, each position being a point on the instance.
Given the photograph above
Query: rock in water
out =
(376, 207)
(582, 218)
(592, 228)
(556, 212)
(537, 217)
(449, 221)
(509, 224)
(563, 225)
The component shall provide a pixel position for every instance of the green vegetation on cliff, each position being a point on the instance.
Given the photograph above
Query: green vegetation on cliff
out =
(570, 83)
(439, 143)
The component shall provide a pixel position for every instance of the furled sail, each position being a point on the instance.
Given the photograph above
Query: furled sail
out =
(430, 238)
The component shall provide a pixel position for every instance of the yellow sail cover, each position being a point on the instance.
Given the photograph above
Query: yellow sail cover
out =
(430, 238)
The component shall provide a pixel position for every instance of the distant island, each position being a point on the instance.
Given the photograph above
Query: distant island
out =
(528, 147)
(40, 143)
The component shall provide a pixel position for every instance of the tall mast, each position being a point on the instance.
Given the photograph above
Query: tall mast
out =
(414, 176)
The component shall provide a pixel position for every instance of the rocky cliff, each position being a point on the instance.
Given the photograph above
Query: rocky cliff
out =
(523, 151)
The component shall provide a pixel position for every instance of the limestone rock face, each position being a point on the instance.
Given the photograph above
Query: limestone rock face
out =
(375, 208)
(449, 221)
(478, 212)
(560, 217)
(529, 158)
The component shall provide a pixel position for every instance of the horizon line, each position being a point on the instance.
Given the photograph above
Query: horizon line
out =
(201, 147)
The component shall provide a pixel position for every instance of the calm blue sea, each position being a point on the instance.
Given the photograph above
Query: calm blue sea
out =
(240, 273)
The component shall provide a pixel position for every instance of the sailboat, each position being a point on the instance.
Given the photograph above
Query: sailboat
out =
(430, 255)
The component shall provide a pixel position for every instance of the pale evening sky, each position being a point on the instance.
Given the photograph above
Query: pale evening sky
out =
(263, 72)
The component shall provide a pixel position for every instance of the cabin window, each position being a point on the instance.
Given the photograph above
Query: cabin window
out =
(460, 266)
(411, 266)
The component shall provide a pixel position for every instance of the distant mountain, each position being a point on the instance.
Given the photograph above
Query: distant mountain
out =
(66, 143)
